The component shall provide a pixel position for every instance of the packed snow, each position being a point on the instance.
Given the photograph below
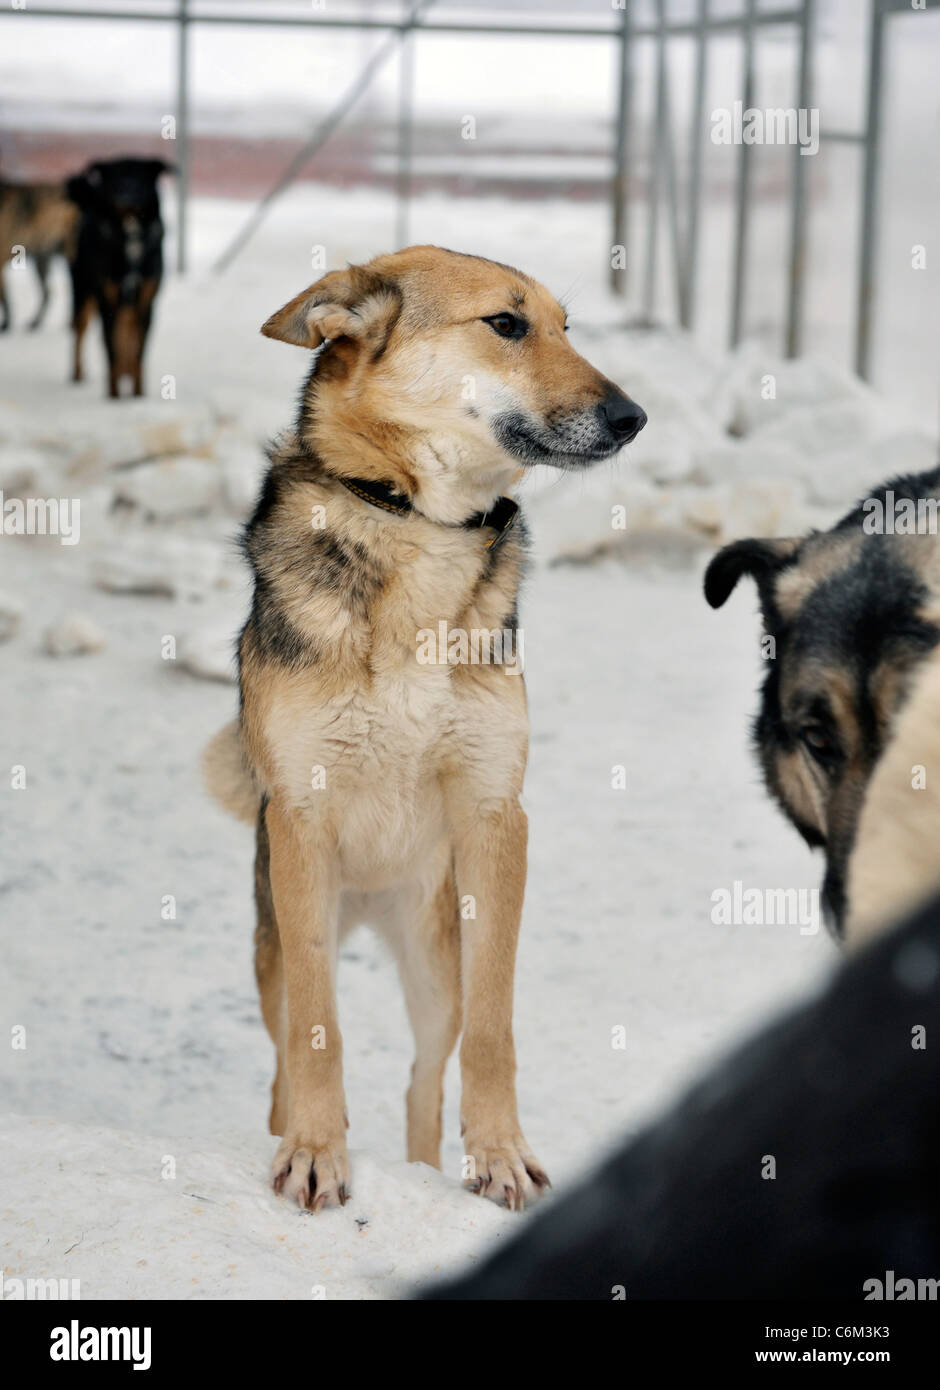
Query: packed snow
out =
(136, 1083)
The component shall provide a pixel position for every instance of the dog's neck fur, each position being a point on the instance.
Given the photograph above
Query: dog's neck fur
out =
(447, 478)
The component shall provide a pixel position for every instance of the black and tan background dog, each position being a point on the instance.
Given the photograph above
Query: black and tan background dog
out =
(107, 224)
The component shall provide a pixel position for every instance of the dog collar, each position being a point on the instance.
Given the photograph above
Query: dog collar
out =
(500, 517)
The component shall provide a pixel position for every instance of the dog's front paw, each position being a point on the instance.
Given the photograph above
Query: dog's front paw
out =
(505, 1170)
(312, 1175)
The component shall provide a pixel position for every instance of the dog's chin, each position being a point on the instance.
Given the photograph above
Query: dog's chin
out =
(834, 903)
(518, 439)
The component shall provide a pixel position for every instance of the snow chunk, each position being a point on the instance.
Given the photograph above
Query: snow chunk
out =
(170, 487)
(95, 436)
(209, 652)
(155, 562)
(11, 614)
(74, 634)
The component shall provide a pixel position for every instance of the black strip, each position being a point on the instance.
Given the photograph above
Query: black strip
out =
(500, 517)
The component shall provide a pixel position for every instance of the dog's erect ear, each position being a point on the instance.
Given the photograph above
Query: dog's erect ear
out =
(157, 167)
(79, 190)
(353, 303)
(760, 558)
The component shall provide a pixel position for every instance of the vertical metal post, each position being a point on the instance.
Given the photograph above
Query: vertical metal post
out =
(696, 148)
(671, 179)
(655, 167)
(406, 74)
(798, 226)
(620, 184)
(182, 134)
(742, 211)
(866, 270)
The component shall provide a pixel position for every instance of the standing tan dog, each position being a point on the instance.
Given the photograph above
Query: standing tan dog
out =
(386, 787)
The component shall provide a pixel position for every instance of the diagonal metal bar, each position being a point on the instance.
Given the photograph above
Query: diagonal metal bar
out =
(322, 133)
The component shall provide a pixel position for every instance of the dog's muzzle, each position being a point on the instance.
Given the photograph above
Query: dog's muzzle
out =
(572, 440)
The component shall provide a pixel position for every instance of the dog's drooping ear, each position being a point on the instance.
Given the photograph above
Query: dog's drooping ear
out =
(354, 303)
(760, 558)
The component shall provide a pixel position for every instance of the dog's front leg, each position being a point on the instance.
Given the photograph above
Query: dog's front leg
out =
(311, 1164)
(490, 848)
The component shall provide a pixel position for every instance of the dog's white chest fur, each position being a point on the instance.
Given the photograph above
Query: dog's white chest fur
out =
(372, 765)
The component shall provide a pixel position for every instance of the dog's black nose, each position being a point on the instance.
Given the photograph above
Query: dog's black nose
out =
(624, 417)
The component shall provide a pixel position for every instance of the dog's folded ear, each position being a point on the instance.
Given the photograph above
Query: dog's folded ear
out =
(759, 558)
(353, 303)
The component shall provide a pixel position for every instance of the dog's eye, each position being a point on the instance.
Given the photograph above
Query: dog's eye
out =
(507, 325)
(818, 744)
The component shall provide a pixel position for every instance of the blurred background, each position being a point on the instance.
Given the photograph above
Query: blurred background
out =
(775, 314)
(525, 102)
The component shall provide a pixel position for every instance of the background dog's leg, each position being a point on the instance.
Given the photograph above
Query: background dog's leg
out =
(428, 951)
(41, 260)
(4, 303)
(491, 868)
(83, 317)
(145, 313)
(269, 972)
(311, 1164)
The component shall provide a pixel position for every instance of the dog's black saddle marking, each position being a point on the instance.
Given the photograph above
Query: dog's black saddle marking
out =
(500, 517)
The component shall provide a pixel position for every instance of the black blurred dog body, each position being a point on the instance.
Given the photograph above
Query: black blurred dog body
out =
(118, 262)
(852, 613)
(804, 1166)
(39, 220)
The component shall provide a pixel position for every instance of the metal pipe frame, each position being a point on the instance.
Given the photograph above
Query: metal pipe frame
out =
(798, 216)
(701, 28)
(742, 198)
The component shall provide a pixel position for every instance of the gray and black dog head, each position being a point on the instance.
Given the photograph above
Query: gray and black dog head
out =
(848, 615)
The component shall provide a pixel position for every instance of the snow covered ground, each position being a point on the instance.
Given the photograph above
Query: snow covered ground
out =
(135, 1151)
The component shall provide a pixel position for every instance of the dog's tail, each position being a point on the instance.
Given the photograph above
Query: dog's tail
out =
(895, 865)
(228, 776)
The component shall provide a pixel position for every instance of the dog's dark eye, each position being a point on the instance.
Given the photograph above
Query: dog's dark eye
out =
(507, 325)
(818, 744)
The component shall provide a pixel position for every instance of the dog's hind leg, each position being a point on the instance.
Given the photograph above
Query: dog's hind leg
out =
(490, 861)
(82, 318)
(427, 947)
(41, 260)
(269, 972)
